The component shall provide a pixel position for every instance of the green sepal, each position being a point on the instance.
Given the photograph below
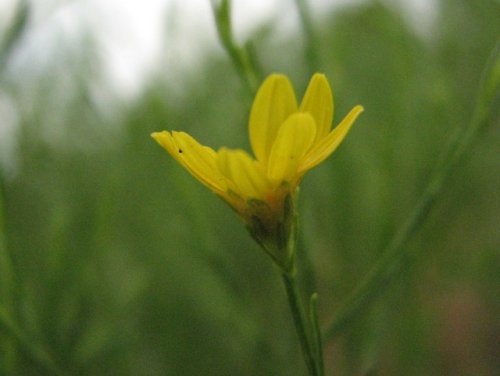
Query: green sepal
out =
(275, 233)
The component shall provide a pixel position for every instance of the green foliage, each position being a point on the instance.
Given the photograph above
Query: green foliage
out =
(113, 260)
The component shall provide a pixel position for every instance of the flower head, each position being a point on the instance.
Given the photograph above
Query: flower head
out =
(287, 140)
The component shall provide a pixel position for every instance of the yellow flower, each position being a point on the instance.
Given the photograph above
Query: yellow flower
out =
(287, 140)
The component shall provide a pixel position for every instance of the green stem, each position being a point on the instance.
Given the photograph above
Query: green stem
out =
(14, 32)
(243, 58)
(394, 255)
(309, 337)
(318, 344)
(311, 42)
(299, 319)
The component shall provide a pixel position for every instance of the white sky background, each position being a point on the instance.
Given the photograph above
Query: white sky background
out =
(187, 30)
(133, 34)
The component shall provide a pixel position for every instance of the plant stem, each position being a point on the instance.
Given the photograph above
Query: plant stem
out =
(311, 42)
(242, 57)
(318, 344)
(394, 255)
(300, 322)
(14, 31)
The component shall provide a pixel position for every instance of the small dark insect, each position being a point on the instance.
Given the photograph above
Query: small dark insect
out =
(180, 150)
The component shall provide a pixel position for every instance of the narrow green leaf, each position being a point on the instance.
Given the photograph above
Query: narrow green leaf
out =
(316, 332)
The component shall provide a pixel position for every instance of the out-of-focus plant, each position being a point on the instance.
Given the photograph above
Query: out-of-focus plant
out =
(110, 264)
(14, 31)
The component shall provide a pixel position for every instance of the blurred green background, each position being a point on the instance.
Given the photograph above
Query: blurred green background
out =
(115, 261)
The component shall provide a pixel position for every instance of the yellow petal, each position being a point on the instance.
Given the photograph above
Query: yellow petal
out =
(327, 146)
(245, 173)
(294, 139)
(199, 160)
(318, 101)
(274, 103)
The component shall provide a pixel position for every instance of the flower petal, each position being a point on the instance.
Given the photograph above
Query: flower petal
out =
(274, 103)
(199, 160)
(327, 146)
(245, 173)
(318, 101)
(294, 139)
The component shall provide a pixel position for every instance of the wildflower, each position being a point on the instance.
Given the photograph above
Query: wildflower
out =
(287, 140)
